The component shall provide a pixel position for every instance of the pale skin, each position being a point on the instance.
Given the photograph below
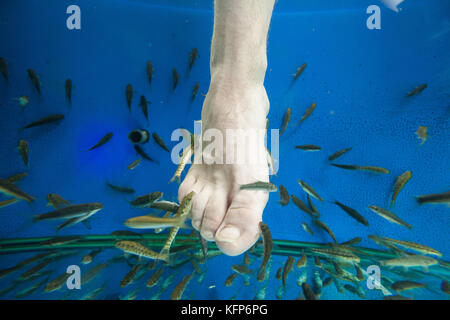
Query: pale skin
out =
(236, 99)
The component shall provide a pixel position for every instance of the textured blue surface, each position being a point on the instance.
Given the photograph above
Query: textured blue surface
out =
(357, 77)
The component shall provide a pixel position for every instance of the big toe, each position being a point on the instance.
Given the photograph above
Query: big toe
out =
(239, 229)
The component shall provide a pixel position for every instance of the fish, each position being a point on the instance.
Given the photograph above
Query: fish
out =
(129, 95)
(144, 107)
(29, 273)
(230, 279)
(34, 79)
(182, 213)
(259, 185)
(8, 202)
(353, 213)
(165, 205)
(246, 259)
(352, 289)
(341, 254)
(7, 271)
(326, 282)
(339, 153)
(311, 205)
(147, 200)
(152, 222)
(130, 276)
(302, 261)
(179, 289)
(142, 153)
(309, 190)
(195, 90)
(37, 257)
(57, 241)
(56, 201)
(68, 86)
(160, 141)
(307, 228)
(102, 141)
(445, 287)
(90, 256)
(299, 71)
(92, 295)
(361, 168)
(301, 205)
(136, 248)
(407, 285)
(45, 120)
(308, 147)
(204, 245)
(418, 89)
(168, 214)
(287, 268)
(359, 273)
(317, 284)
(92, 273)
(121, 189)
(268, 246)
(409, 261)
(16, 177)
(75, 220)
(308, 292)
(174, 78)
(4, 69)
(390, 216)
(134, 164)
(71, 211)
(243, 270)
(286, 119)
(149, 71)
(352, 241)
(308, 112)
(279, 273)
(434, 198)
(192, 56)
(422, 134)
(11, 189)
(185, 158)
(23, 149)
(284, 196)
(154, 279)
(413, 246)
(57, 283)
(26, 292)
(317, 262)
(399, 184)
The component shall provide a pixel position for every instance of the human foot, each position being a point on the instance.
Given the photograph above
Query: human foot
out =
(221, 211)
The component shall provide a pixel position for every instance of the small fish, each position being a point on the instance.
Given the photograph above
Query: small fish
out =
(143, 154)
(185, 158)
(57, 241)
(416, 90)
(57, 283)
(352, 289)
(92, 273)
(241, 269)
(287, 268)
(246, 259)
(102, 141)
(136, 248)
(29, 273)
(327, 282)
(129, 95)
(268, 246)
(149, 71)
(45, 120)
(179, 289)
(312, 206)
(4, 69)
(422, 134)
(308, 112)
(306, 228)
(130, 276)
(359, 273)
(68, 86)
(308, 147)
(192, 56)
(412, 245)
(399, 184)
(409, 261)
(361, 168)
(8, 202)
(90, 256)
(195, 90)
(322, 225)
(56, 201)
(71, 211)
(302, 261)
(317, 262)
(301, 205)
(154, 279)
(134, 164)
(286, 118)
(284, 196)
(445, 287)
(299, 71)
(353, 213)
(318, 284)
(339, 153)
(34, 79)
(75, 220)
(160, 141)
(259, 185)
(434, 198)
(352, 241)
(175, 78)
(279, 273)
(407, 285)
(308, 292)
(144, 107)
(309, 190)
(147, 200)
(11, 189)
(390, 216)
(16, 177)
(120, 189)
(230, 279)
(165, 205)
(204, 244)
(23, 149)
(152, 222)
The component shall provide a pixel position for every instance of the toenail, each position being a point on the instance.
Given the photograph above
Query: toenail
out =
(228, 234)
(196, 224)
(207, 235)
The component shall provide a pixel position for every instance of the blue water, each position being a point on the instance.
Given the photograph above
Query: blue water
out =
(357, 77)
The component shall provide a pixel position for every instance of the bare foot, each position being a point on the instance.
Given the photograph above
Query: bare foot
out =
(221, 211)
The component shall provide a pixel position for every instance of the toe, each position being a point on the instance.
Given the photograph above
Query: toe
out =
(239, 229)
(214, 214)
(186, 186)
(199, 204)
